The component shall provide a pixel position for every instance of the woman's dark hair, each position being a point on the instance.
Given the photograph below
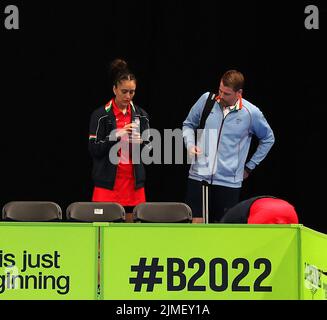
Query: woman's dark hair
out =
(119, 72)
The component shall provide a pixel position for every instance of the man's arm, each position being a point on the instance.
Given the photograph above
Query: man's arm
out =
(264, 133)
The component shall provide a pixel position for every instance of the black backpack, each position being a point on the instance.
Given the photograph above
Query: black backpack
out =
(207, 109)
(205, 113)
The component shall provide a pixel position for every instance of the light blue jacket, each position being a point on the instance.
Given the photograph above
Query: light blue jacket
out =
(225, 142)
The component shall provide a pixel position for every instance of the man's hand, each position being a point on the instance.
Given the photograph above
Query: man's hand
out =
(194, 150)
(246, 173)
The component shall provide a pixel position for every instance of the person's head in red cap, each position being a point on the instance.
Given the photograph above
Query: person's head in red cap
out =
(272, 211)
(262, 210)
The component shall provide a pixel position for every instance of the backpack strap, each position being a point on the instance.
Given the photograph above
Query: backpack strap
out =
(207, 109)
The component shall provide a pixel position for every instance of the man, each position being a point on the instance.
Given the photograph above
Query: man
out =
(261, 210)
(221, 149)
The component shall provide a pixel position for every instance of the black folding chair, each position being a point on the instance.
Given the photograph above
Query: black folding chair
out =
(162, 212)
(32, 211)
(95, 212)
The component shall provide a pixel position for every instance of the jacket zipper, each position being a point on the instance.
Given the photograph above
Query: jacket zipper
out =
(218, 140)
(135, 180)
(216, 154)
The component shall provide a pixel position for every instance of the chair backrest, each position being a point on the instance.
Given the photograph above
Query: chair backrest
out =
(95, 212)
(32, 211)
(162, 212)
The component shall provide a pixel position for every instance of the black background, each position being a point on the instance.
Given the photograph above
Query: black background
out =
(54, 74)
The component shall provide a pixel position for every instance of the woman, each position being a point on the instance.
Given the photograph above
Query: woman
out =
(117, 130)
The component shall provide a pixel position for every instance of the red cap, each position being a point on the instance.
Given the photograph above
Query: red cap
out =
(272, 211)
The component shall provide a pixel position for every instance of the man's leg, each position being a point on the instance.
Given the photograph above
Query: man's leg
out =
(220, 199)
(194, 199)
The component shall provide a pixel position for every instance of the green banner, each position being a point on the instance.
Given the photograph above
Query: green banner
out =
(182, 261)
(314, 265)
(48, 260)
(121, 261)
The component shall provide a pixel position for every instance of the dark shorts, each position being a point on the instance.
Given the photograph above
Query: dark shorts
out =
(220, 199)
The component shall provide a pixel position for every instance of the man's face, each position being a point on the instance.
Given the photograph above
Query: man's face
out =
(124, 92)
(228, 96)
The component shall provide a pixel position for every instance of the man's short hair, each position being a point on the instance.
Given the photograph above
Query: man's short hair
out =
(233, 79)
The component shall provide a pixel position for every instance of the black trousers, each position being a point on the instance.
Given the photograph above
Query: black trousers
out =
(220, 199)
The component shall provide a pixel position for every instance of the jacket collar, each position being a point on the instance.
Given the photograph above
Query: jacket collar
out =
(108, 106)
(238, 105)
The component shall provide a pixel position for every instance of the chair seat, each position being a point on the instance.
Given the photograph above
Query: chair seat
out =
(33, 211)
(95, 212)
(164, 212)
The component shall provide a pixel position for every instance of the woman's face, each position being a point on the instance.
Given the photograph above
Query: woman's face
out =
(124, 92)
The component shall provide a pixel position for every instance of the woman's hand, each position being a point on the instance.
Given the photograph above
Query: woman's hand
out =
(126, 130)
